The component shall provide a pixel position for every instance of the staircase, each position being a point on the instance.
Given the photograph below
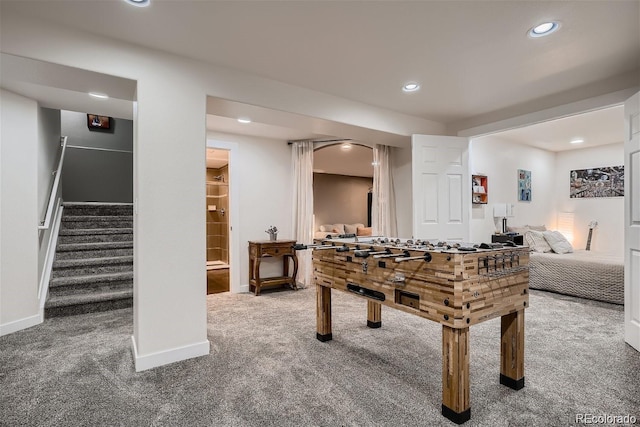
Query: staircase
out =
(93, 267)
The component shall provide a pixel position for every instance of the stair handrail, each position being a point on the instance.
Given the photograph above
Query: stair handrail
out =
(46, 222)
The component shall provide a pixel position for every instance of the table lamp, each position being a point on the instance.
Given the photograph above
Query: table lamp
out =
(504, 211)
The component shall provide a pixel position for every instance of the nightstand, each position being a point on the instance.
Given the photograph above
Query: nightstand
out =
(518, 239)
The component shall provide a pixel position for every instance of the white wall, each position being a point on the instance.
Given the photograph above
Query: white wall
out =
(264, 186)
(608, 211)
(47, 159)
(48, 154)
(18, 213)
(500, 160)
(401, 173)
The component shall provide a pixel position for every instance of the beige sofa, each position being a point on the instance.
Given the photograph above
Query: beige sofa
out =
(335, 230)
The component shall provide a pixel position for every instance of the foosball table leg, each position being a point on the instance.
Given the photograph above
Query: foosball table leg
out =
(455, 374)
(512, 350)
(323, 313)
(374, 314)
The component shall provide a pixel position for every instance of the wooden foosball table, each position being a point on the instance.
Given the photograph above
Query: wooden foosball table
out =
(453, 285)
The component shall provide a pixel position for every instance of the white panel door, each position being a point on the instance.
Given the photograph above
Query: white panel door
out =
(441, 187)
(632, 221)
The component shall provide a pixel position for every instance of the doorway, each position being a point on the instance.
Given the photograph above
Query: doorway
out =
(342, 188)
(217, 214)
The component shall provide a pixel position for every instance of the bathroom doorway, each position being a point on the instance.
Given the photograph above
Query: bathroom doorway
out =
(217, 213)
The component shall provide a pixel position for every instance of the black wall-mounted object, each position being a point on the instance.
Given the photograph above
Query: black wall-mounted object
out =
(96, 122)
(369, 204)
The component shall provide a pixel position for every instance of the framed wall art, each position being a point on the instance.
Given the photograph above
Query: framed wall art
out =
(605, 181)
(95, 121)
(524, 185)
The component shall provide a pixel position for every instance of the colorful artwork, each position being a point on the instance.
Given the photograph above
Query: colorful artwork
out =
(597, 182)
(524, 185)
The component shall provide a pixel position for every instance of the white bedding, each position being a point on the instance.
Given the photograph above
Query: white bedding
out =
(584, 274)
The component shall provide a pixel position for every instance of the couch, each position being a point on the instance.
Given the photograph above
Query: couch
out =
(335, 230)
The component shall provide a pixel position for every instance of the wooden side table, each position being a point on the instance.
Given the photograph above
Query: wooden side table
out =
(272, 248)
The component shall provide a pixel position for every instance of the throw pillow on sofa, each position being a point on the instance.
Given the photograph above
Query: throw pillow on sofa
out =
(332, 228)
(352, 228)
(363, 231)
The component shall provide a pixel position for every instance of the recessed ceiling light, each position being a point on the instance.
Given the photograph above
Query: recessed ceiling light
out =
(544, 29)
(411, 87)
(99, 95)
(577, 141)
(244, 120)
(346, 146)
(139, 3)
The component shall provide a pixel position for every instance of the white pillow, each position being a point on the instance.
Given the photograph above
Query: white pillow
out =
(536, 241)
(326, 228)
(558, 242)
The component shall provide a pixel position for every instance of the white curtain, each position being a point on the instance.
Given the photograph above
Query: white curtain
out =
(302, 161)
(383, 210)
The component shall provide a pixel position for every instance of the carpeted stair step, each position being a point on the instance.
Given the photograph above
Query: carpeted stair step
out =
(71, 282)
(96, 290)
(90, 221)
(82, 209)
(87, 266)
(94, 253)
(90, 231)
(93, 246)
(66, 305)
(90, 236)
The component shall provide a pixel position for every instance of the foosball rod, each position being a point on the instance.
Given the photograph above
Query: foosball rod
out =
(426, 257)
(385, 256)
(300, 247)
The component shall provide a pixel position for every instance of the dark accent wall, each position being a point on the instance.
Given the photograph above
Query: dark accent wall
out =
(340, 198)
(101, 175)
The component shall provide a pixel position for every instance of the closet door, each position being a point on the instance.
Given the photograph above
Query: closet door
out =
(632, 221)
(441, 187)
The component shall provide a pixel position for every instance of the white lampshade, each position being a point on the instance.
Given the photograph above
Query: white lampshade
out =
(503, 210)
(500, 210)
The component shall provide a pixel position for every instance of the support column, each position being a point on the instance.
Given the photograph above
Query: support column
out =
(512, 350)
(455, 374)
(374, 314)
(323, 313)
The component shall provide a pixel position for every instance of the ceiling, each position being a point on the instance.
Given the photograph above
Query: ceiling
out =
(601, 127)
(473, 59)
(67, 88)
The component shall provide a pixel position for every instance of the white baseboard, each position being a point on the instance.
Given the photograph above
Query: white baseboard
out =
(18, 325)
(173, 355)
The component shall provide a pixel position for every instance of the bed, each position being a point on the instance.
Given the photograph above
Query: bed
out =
(584, 274)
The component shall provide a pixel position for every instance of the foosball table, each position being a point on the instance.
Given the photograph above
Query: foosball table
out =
(455, 285)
